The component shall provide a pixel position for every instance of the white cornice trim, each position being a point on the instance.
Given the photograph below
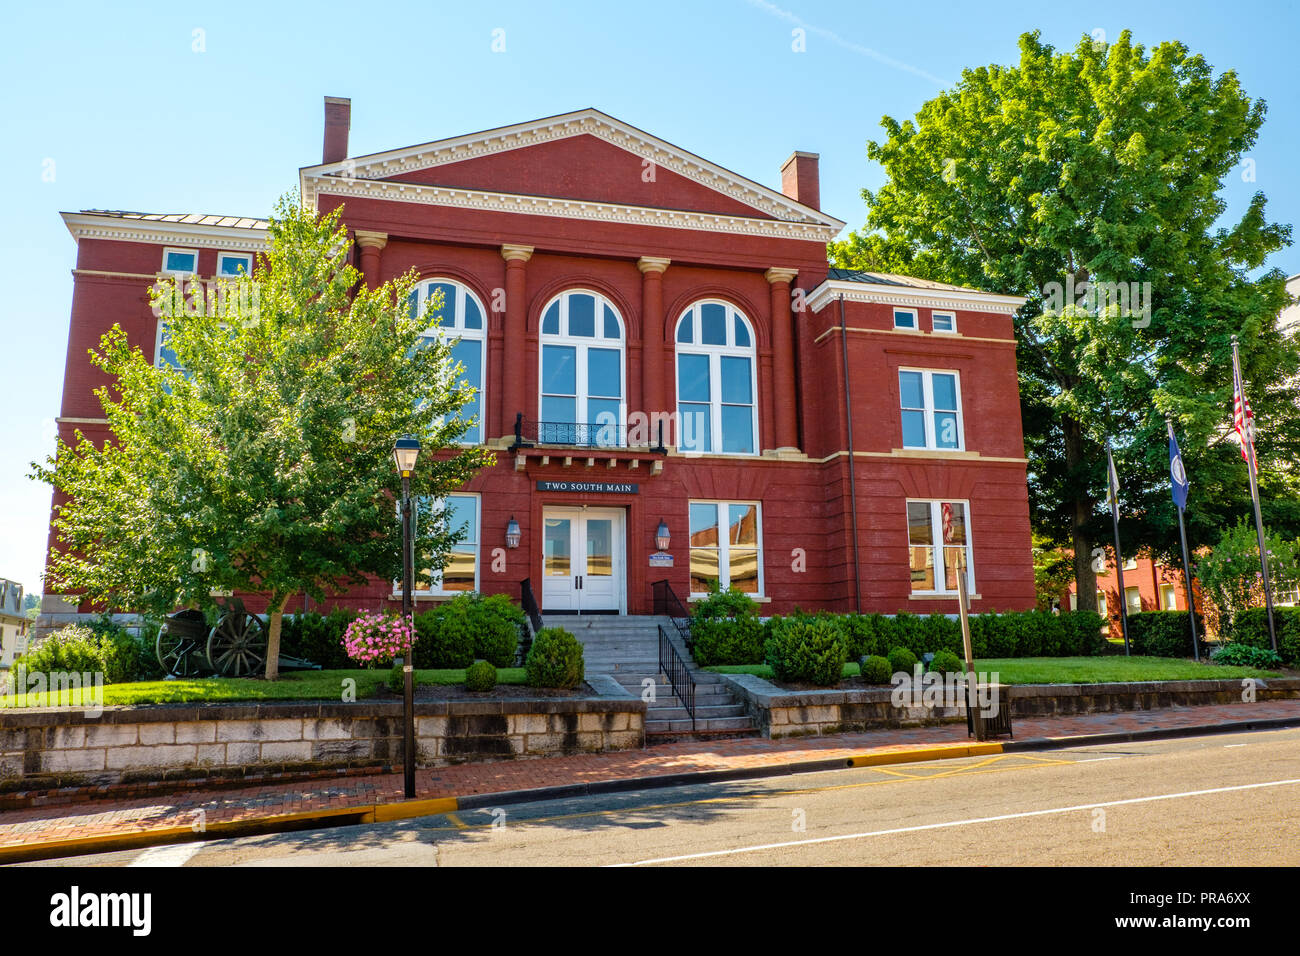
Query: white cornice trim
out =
(582, 122)
(446, 196)
(226, 238)
(970, 300)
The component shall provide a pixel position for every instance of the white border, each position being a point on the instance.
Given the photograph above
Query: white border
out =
(184, 250)
(938, 331)
(245, 256)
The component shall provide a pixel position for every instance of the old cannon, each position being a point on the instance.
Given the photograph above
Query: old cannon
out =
(235, 646)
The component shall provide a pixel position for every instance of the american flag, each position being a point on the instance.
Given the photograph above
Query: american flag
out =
(1243, 419)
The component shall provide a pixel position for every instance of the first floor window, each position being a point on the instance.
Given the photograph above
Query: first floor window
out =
(938, 534)
(461, 571)
(1168, 597)
(726, 546)
(1133, 599)
(1101, 603)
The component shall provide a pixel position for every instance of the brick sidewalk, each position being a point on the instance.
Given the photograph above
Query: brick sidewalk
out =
(107, 817)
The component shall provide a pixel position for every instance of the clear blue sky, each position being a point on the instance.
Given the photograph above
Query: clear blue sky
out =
(134, 118)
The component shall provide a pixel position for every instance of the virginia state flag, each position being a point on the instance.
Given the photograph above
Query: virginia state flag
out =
(1178, 483)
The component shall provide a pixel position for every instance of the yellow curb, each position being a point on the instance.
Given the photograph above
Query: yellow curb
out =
(407, 809)
(942, 752)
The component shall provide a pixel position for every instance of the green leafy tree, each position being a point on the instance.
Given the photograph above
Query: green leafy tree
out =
(1061, 178)
(265, 466)
(1053, 572)
(1231, 577)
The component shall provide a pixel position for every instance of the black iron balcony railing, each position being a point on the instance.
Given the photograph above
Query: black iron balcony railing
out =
(530, 434)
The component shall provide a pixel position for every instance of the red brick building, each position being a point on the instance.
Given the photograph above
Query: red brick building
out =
(1148, 586)
(604, 284)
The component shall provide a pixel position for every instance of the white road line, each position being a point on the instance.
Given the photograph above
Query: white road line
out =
(1097, 759)
(962, 823)
(176, 855)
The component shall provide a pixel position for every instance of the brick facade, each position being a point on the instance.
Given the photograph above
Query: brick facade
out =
(584, 202)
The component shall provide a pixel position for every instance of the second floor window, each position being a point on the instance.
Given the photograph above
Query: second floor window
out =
(931, 409)
(716, 384)
(581, 383)
(460, 318)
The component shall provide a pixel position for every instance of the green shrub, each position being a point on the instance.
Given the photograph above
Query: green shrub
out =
(480, 676)
(445, 636)
(554, 660)
(397, 678)
(876, 670)
(721, 604)
(946, 662)
(725, 629)
(1251, 628)
(497, 624)
(806, 649)
(906, 630)
(1081, 633)
(864, 634)
(103, 647)
(940, 633)
(901, 659)
(1161, 633)
(1243, 655)
(318, 637)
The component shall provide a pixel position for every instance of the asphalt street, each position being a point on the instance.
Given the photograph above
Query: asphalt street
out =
(1220, 800)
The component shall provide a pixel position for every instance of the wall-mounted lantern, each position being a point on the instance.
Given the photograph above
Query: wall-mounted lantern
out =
(662, 540)
(512, 533)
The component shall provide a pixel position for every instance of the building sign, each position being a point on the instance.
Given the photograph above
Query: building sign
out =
(590, 487)
(661, 559)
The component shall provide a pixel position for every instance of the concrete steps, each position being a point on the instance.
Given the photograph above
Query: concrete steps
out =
(627, 649)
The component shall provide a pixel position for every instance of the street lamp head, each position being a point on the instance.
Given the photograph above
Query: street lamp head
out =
(512, 533)
(662, 539)
(405, 451)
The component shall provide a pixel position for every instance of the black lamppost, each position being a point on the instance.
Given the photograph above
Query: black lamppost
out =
(405, 451)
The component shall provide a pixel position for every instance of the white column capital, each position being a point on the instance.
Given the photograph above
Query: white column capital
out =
(652, 264)
(516, 253)
(777, 274)
(371, 240)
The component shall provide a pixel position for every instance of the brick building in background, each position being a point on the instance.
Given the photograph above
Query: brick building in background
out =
(600, 281)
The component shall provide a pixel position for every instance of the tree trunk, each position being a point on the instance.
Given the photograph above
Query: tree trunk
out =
(1085, 579)
(276, 615)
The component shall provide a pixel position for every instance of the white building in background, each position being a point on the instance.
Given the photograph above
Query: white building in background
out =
(14, 622)
(1289, 318)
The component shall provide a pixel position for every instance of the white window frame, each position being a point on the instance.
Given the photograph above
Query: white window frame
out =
(724, 541)
(715, 355)
(581, 343)
(916, 319)
(927, 394)
(456, 332)
(950, 316)
(1131, 589)
(1101, 604)
(936, 541)
(168, 250)
(1130, 564)
(1172, 591)
(435, 588)
(245, 257)
(157, 348)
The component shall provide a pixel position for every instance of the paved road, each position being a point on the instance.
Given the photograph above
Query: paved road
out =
(1220, 800)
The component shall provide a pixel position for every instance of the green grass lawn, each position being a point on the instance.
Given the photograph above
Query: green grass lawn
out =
(1070, 670)
(295, 685)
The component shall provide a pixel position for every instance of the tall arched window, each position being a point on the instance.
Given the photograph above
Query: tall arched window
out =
(582, 400)
(461, 318)
(716, 381)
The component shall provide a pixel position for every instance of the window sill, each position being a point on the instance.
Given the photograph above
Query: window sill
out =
(757, 599)
(940, 596)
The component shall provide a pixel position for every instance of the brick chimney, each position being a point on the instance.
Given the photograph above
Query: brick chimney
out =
(800, 179)
(338, 120)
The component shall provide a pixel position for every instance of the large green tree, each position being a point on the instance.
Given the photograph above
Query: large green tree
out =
(261, 461)
(1088, 169)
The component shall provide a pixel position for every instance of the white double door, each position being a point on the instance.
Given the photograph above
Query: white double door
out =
(583, 559)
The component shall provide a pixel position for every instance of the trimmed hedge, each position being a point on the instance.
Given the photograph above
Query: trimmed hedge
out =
(806, 650)
(725, 629)
(901, 660)
(318, 638)
(1162, 633)
(739, 640)
(555, 659)
(480, 676)
(946, 662)
(1251, 629)
(876, 670)
(466, 628)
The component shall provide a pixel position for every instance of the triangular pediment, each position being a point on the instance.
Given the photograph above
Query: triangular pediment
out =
(585, 157)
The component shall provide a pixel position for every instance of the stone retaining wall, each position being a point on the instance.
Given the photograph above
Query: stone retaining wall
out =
(784, 713)
(56, 747)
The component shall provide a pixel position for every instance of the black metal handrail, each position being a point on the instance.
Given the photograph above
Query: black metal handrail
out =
(534, 615)
(529, 434)
(678, 674)
(668, 604)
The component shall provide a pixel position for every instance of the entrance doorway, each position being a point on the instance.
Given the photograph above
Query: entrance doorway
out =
(583, 560)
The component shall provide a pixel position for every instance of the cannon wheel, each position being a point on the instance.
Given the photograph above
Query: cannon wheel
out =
(237, 645)
(176, 652)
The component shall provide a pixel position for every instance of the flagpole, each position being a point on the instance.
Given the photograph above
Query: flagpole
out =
(1187, 573)
(1112, 481)
(1248, 448)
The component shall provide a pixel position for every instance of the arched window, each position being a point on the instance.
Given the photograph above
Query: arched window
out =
(582, 397)
(461, 318)
(716, 383)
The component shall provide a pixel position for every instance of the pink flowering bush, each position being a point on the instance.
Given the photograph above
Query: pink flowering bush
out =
(376, 638)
